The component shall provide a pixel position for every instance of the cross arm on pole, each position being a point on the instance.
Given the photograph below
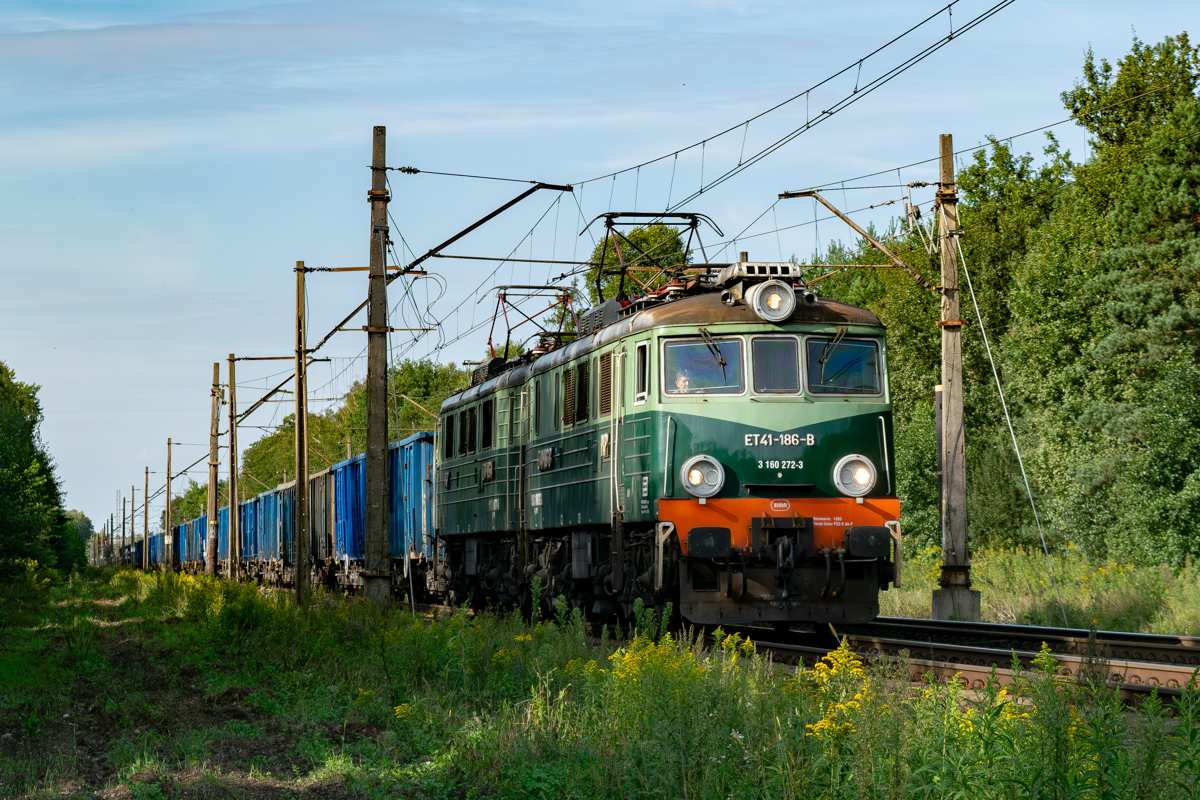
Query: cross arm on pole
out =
(874, 242)
(482, 220)
(433, 252)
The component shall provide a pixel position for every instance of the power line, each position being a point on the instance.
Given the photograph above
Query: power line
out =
(991, 143)
(1009, 138)
(415, 171)
(857, 64)
(848, 100)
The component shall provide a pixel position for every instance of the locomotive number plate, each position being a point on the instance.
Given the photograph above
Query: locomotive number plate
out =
(783, 439)
(781, 465)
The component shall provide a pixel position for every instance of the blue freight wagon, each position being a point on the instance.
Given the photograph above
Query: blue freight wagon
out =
(337, 509)
(223, 534)
(350, 494)
(410, 478)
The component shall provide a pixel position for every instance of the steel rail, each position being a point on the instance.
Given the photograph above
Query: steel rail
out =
(1147, 674)
(1140, 647)
(975, 667)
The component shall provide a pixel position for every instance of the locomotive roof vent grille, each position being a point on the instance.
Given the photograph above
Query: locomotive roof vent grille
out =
(756, 271)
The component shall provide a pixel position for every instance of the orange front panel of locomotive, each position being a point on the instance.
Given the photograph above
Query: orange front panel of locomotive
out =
(831, 515)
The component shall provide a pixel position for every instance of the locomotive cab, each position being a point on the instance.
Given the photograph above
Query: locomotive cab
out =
(777, 474)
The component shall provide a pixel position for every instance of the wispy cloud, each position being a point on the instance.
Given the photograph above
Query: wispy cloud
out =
(270, 76)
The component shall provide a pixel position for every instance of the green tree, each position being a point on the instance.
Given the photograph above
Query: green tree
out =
(81, 525)
(1102, 349)
(1148, 308)
(659, 245)
(32, 522)
(1106, 95)
(71, 545)
(193, 502)
(417, 390)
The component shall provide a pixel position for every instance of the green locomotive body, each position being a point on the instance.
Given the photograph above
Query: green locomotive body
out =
(683, 449)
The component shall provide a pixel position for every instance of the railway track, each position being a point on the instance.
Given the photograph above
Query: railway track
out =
(1154, 648)
(1135, 664)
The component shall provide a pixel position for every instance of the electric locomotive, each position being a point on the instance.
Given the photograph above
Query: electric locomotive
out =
(723, 444)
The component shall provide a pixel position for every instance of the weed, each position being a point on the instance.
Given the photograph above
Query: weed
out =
(1017, 588)
(237, 681)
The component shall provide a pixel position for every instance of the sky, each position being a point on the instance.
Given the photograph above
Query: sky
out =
(164, 165)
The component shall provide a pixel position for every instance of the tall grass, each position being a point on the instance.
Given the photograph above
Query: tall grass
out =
(490, 706)
(1017, 588)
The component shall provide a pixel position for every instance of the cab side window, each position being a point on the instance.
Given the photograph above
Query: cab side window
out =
(641, 373)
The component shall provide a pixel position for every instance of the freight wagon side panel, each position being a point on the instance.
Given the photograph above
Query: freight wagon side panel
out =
(199, 542)
(252, 531)
(200, 537)
(223, 534)
(179, 541)
(416, 493)
(351, 503)
(269, 527)
(395, 471)
(246, 530)
(287, 524)
(318, 518)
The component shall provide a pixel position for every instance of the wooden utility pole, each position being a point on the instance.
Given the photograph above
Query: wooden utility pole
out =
(132, 520)
(235, 522)
(301, 567)
(146, 523)
(377, 577)
(121, 552)
(955, 599)
(165, 558)
(108, 540)
(210, 556)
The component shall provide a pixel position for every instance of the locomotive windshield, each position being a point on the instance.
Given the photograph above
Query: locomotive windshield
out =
(776, 365)
(842, 366)
(697, 366)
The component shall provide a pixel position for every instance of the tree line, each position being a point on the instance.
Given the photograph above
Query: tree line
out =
(1087, 274)
(417, 389)
(34, 524)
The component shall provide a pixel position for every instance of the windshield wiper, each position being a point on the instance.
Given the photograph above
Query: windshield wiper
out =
(829, 350)
(716, 351)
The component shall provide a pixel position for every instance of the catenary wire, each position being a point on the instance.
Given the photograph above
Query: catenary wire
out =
(853, 65)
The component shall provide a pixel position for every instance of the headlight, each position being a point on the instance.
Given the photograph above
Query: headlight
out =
(854, 475)
(773, 301)
(703, 476)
